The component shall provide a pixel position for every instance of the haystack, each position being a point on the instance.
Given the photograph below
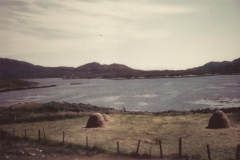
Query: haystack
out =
(106, 117)
(218, 120)
(95, 120)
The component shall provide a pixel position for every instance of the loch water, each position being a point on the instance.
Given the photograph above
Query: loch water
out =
(151, 95)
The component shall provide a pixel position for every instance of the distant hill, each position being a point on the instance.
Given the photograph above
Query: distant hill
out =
(14, 69)
(224, 67)
(94, 69)
(10, 68)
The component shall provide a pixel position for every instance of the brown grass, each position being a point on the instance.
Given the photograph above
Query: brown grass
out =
(128, 129)
(106, 117)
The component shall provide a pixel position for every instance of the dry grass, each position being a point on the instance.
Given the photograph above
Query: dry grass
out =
(128, 129)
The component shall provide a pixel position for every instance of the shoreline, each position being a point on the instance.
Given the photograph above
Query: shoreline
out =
(81, 107)
(25, 88)
(52, 111)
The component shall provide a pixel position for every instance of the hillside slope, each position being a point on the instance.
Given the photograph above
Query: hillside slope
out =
(14, 69)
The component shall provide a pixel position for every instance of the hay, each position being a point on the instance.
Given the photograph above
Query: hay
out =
(218, 120)
(106, 117)
(95, 120)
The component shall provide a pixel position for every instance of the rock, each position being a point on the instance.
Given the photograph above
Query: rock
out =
(31, 154)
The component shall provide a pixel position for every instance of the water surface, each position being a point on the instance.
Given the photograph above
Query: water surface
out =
(139, 94)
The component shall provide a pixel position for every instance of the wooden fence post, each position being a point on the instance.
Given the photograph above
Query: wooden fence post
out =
(208, 151)
(87, 141)
(25, 134)
(180, 147)
(44, 134)
(160, 146)
(13, 132)
(39, 135)
(238, 152)
(117, 147)
(138, 146)
(63, 137)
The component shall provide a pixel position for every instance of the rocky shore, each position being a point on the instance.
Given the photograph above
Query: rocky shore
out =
(24, 88)
(31, 112)
(15, 84)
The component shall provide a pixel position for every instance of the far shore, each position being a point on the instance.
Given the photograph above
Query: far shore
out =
(25, 88)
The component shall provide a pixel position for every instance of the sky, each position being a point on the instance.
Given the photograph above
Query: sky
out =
(142, 34)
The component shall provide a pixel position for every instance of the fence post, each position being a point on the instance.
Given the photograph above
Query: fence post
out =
(63, 137)
(44, 134)
(180, 147)
(25, 134)
(13, 134)
(238, 152)
(208, 151)
(87, 141)
(117, 147)
(160, 146)
(138, 146)
(39, 135)
(15, 119)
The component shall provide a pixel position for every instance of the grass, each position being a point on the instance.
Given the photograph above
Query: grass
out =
(127, 129)
(35, 112)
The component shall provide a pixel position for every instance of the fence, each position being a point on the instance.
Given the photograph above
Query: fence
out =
(237, 154)
(161, 152)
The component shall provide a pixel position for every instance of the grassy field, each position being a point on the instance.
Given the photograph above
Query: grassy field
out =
(127, 129)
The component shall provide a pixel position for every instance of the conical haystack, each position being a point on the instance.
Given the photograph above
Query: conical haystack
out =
(95, 120)
(106, 117)
(218, 120)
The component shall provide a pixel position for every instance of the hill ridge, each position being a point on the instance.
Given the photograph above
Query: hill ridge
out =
(15, 69)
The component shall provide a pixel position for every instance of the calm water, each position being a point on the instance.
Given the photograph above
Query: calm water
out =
(143, 94)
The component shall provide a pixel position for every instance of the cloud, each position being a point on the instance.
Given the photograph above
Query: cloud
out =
(17, 6)
(155, 34)
(49, 5)
(63, 19)
(13, 3)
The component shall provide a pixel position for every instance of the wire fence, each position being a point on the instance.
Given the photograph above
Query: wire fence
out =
(235, 154)
(41, 135)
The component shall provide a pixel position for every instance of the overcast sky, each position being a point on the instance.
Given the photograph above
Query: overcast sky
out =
(142, 34)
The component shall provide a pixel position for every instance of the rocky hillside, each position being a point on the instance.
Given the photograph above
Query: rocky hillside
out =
(224, 67)
(93, 70)
(13, 69)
